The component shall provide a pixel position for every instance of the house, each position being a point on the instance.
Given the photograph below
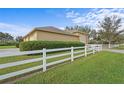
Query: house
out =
(50, 33)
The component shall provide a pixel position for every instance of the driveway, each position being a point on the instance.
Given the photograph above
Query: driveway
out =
(10, 51)
(116, 51)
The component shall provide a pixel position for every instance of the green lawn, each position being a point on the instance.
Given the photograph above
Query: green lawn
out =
(103, 67)
(5, 47)
(121, 47)
(17, 58)
(24, 57)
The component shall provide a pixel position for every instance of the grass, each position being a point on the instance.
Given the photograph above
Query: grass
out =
(103, 67)
(6, 47)
(121, 47)
(17, 58)
(25, 57)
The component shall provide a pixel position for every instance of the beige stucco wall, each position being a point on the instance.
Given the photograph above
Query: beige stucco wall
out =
(31, 37)
(82, 37)
(55, 36)
(49, 36)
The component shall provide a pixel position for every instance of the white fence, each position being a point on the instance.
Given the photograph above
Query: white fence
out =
(115, 45)
(107, 46)
(83, 50)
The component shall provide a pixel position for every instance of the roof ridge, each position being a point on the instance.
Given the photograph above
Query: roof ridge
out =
(51, 29)
(48, 27)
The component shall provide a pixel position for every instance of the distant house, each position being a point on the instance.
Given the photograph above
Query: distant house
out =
(50, 33)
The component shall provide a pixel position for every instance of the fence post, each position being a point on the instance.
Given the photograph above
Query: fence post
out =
(98, 48)
(93, 49)
(44, 59)
(109, 45)
(101, 47)
(72, 54)
(85, 50)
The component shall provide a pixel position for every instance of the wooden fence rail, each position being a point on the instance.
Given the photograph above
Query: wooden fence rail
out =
(86, 50)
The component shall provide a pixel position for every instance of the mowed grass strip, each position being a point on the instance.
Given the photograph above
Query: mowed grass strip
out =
(103, 67)
(28, 65)
(6, 47)
(4, 60)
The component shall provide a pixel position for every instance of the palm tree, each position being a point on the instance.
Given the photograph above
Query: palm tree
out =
(87, 29)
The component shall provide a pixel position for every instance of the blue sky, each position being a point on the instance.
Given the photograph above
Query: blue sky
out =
(19, 21)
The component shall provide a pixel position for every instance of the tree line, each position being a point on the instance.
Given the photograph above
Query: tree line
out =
(109, 30)
(8, 39)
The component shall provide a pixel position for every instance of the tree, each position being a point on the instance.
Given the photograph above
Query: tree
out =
(19, 39)
(119, 38)
(109, 28)
(5, 37)
(87, 29)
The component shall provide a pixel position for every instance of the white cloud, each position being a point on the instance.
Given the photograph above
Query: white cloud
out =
(94, 15)
(15, 30)
(62, 28)
(72, 14)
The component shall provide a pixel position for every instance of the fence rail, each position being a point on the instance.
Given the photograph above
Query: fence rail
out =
(83, 50)
(107, 46)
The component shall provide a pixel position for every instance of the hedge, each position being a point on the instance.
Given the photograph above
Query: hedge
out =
(38, 45)
(8, 43)
(17, 45)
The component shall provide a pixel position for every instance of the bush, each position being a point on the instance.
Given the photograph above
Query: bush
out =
(38, 45)
(8, 43)
(17, 45)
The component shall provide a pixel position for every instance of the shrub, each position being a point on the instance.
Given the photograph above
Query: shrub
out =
(8, 43)
(38, 45)
(17, 45)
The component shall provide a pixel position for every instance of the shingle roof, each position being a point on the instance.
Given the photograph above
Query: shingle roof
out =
(51, 29)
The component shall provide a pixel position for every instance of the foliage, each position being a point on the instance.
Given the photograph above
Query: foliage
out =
(38, 45)
(8, 43)
(5, 37)
(19, 39)
(87, 29)
(78, 28)
(109, 29)
(17, 45)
